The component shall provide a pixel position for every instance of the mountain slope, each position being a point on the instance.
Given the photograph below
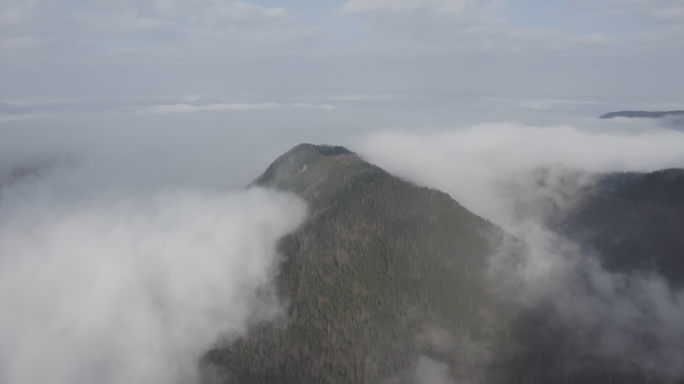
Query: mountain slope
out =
(383, 272)
(634, 221)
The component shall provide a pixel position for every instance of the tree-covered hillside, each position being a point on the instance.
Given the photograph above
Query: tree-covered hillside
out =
(635, 221)
(383, 271)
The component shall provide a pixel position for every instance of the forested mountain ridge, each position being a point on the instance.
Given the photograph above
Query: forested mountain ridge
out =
(635, 221)
(382, 272)
(641, 114)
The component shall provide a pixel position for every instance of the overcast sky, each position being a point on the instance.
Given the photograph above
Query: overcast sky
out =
(629, 50)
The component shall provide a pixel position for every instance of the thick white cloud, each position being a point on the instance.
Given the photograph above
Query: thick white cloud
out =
(132, 288)
(482, 155)
(124, 255)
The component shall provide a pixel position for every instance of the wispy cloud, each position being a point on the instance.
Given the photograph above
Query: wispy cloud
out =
(325, 107)
(187, 108)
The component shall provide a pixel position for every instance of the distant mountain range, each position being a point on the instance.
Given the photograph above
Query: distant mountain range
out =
(385, 276)
(642, 114)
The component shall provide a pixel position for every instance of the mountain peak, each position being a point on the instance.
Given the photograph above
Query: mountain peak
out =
(379, 266)
(304, 168)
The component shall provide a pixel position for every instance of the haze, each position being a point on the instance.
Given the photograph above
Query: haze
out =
(129, 131)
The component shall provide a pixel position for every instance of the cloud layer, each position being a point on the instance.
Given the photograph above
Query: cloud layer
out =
(113, 282)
